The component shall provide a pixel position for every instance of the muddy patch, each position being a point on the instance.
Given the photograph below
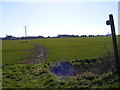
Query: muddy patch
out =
(63, 69)
(39, 54)
(96, 67)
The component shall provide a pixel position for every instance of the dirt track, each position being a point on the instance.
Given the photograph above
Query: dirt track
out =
(39, 54)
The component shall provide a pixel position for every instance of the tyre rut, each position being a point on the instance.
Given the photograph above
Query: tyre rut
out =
(39, 54)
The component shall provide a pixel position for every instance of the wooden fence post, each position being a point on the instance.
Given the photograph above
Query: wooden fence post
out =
(117, 63)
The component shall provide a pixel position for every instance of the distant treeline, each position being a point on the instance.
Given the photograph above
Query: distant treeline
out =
(10, 37)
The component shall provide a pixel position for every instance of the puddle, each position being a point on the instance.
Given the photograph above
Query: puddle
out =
(63, 69)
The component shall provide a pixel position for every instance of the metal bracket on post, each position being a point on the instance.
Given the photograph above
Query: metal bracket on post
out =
(117, 63)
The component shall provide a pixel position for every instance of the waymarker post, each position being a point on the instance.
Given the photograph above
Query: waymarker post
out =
(117, 63)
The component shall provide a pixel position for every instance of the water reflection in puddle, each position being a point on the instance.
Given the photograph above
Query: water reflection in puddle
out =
(63, 69)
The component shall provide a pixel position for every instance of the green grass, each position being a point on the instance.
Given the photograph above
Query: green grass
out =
(14, 51)
(60, 49)
(0, 52)
(39, 76)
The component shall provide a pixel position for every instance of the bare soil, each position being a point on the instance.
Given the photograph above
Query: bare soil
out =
(97, 68)
(39, 54)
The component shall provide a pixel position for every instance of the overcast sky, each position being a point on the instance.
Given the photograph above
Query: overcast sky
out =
(53, 18)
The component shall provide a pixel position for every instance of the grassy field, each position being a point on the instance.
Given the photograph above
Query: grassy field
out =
(83, 53)
(58, 48)
(65, 49)
(39, 76)
(14, 51)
